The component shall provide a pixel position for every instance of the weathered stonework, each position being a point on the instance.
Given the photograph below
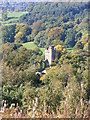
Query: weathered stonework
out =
(50, 54)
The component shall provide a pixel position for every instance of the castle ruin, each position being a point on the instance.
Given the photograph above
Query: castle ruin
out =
(50, 54)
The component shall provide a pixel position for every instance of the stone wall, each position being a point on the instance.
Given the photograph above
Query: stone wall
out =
(50, 54)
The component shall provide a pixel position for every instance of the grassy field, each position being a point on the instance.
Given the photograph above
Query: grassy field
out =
(31, 45)
(13, 17)
(43, 50)
(69, 50)
(15, 14)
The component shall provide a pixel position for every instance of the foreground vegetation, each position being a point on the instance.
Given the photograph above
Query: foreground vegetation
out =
(64, 90)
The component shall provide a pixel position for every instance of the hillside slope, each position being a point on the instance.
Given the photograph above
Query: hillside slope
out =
(57, 23)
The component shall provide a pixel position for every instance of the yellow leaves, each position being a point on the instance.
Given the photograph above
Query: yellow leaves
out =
(53, 68)
(64, 50)
(86, 46)
(55, 33)
(18, 27)
(60, 48)
(44, 76)
(84, 38)
(84, 41)
(18, 35)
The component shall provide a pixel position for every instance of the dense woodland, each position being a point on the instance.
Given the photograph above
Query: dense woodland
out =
(64, 90)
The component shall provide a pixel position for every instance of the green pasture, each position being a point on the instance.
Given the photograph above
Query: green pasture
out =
(70, 50)
(13, 17)
(31, 45)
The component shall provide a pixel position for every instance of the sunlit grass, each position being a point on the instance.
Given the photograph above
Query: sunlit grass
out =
(13, 17)
(32, 45)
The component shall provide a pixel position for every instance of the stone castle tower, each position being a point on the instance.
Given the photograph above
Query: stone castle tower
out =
(50, 54)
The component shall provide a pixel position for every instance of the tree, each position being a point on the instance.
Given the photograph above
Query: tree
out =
(8, 33)
(56, 33)
(72, 98)
(4, 14)
(40, 39)
(22, 31)
(19, 37)
(59, 51)
(12, 94)
(70, 38)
